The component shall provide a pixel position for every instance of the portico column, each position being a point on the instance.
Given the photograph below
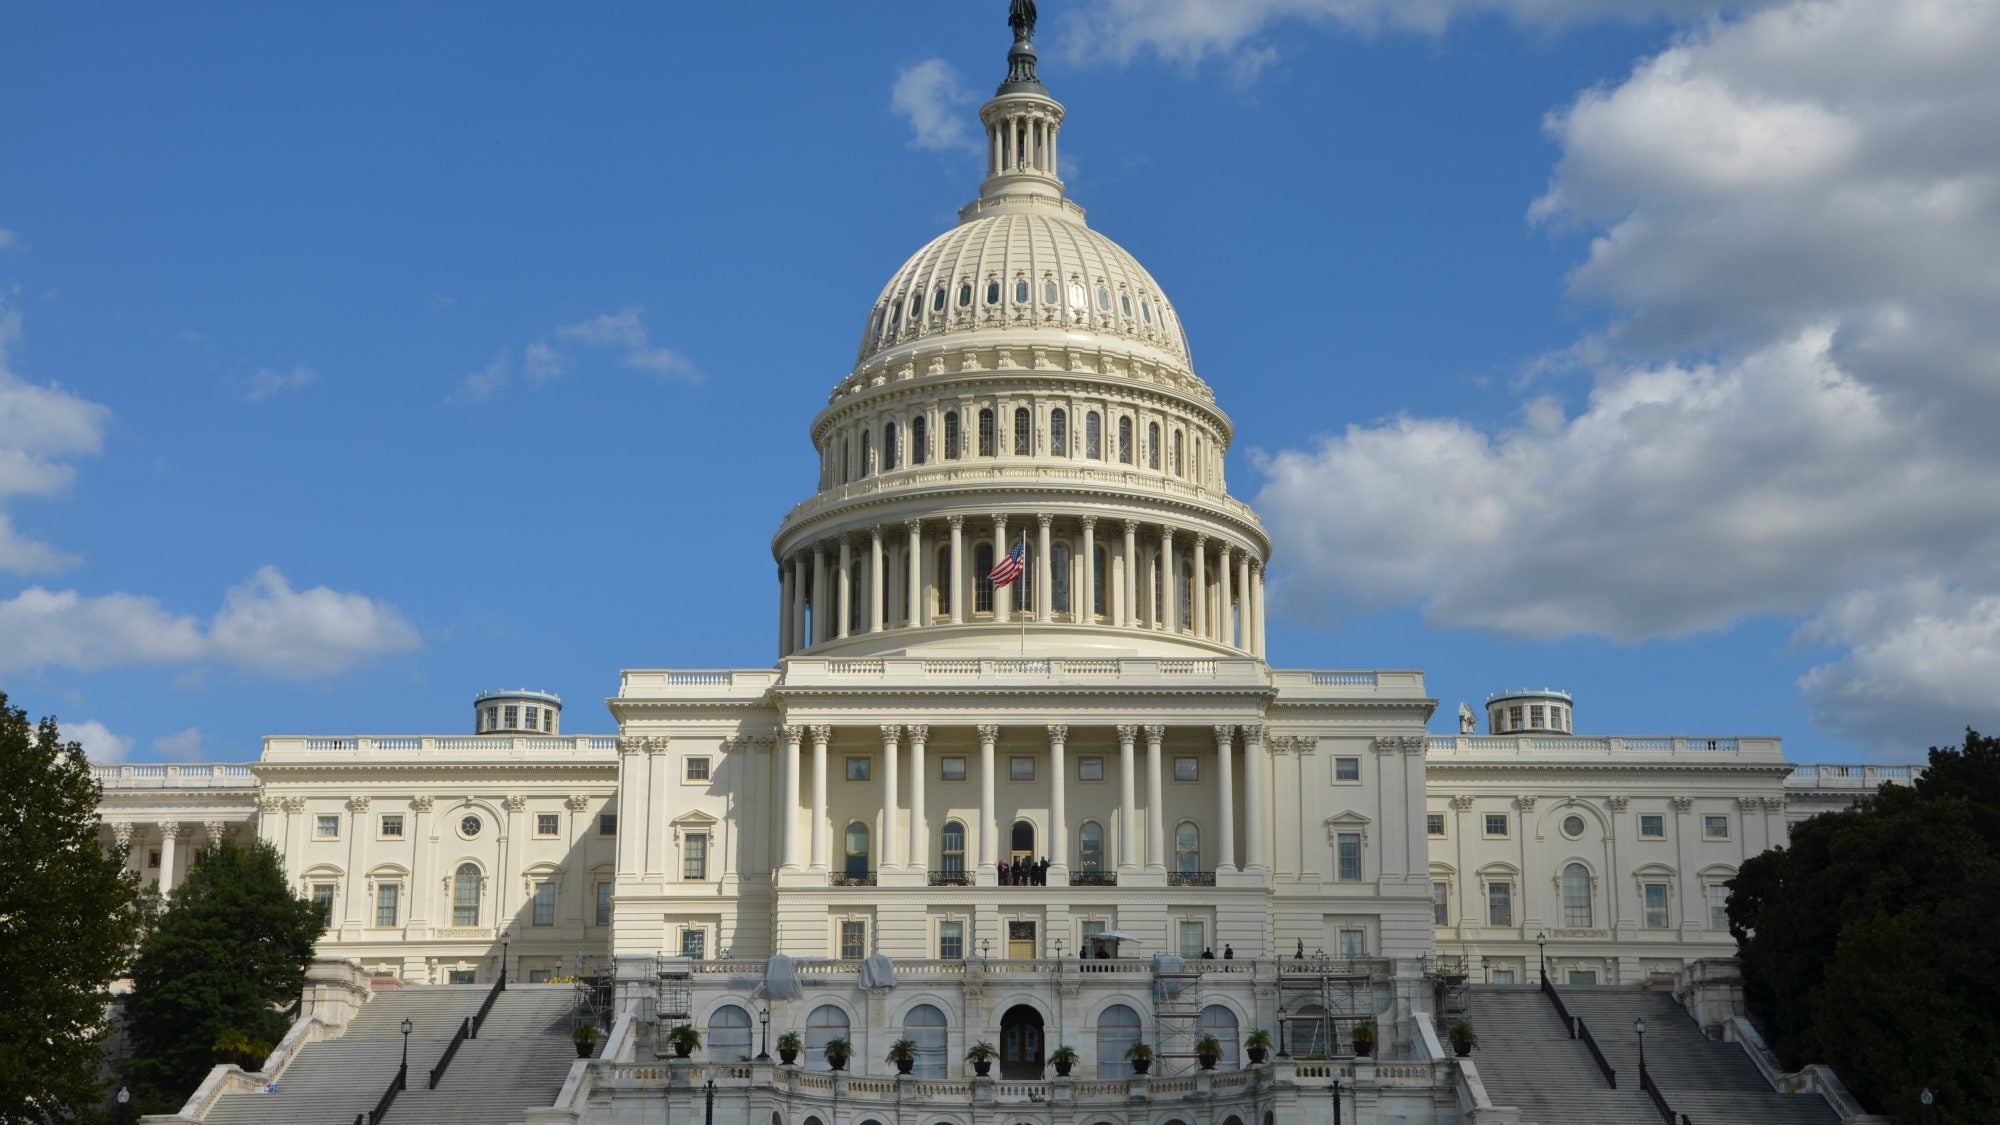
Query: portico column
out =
(1003, 596)
(788, 805)
(1257, 800)
(821, 626)
(1170, 597)
(821, 856)
(1044, 596)
(920, 833)
(915, 605)
(1227, 631)
(170, 834)
(1257, 596)
(1128, 599)
(875, 583)
(846, 580)
(1225, 743)
(953, 582)
(1156, 818)
(1128, 797)
(892, 839)
(1058, 803)
(1089, 612)
(784, 608)
(1198, 595)
(989, 830)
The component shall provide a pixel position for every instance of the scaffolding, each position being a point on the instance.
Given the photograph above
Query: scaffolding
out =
(1320, 1000)
(1176, 1016)
(1450, 980)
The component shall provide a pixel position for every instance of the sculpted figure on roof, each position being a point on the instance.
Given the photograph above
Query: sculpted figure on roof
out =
(1021, 17)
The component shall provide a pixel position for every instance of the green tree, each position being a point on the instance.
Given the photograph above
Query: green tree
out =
(229, 952)
(67, 918)
(1866, 943)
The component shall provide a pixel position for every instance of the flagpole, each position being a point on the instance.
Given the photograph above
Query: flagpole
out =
(1023, 609)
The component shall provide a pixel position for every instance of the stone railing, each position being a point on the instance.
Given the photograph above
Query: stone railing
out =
(175, 776)
(1851, 777)
(504, 745)
(1539, 745)
(929, 478)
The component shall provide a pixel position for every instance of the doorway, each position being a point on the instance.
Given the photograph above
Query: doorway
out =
(1021, 941)
(1022, 841)
(1021, 1043)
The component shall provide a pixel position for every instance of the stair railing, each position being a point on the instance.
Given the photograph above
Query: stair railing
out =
(396, 1086)
(1604, 1065)
(1549, 990)
(1667, 1114)
(469, 1029)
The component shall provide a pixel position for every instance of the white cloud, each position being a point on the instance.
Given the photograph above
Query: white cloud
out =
(99, 744)
(480, 385)
(1809, 196)
(626, 332)
(22, 555)
(540, 363)
(930, 95)
(181, 746)
(7, 239)
(42, 429)
(264, 626)
(267, 384)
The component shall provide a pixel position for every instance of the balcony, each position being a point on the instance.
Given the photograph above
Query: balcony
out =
(851, 879)
(175, 776)
(951, 878)
(1190, 878)
(1093, 878)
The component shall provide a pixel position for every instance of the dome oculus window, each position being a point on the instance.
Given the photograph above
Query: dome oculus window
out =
(1146, 311)
(1572, 826)
(469, 826)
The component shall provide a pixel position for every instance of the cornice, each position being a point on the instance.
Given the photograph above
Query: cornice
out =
(1446, 765)
(1036, 380)
(486, 767)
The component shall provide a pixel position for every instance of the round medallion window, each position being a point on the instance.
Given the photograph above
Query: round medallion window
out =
(469, 826)
(1572, 826)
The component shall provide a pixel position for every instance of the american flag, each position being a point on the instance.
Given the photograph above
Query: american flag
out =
(1011, 567)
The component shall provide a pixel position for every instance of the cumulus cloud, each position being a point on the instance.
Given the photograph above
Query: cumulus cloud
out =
(181, 746)
(266, 384)
(264, 626)
(930, 95)
(623, 334)
(1795, 216)
(43, 429)
(540, 363)
(99, 744)
(480, 385)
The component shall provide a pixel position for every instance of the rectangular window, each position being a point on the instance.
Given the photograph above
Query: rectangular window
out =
(1347, 769)
(153, 858)
(697, 769)
(1192, 933)
(510, 716)
(1434, 824)
(1499, 904)
(1503, 976)
(1348, 845)
(1090, 769)
(388, 897)
(323, 899)
(694, 856)
(1187, 769)
(604, 903)
(1652, 826)
(951, 769)
(951, 941)
(1514, 718)
(1535, 717)
(1496, 824)
(492, 718)
(1718, 907)
(1656, 906)
(459, 976)
(694, 944)
(534, 717)
(1715, 828)
(392, 826)
(548, 719)
(607, 824)
(328, 828)
(1583, 977)
(853, 941)
(545, 904)
(860, 769)
(547, 824)
(1440, 904)
(1353, 943)
(540, 976)
(1090, 928)
(1020, 769)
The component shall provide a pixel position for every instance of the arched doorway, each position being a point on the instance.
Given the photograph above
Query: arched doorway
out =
(1021, 1043)
(1022, 839)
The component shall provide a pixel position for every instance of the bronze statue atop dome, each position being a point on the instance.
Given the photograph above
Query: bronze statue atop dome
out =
(1021, 17)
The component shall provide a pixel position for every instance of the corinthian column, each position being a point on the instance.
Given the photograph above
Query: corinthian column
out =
(920, 832)
(821, 856)
(892, 840)
(788, 805)
(1128, 582)
(1156, 811)
(1128, 797)
(915, 605)
(1058, 804)
(875, 583)
(1225, 742)
(170, 834)
(1044, 595)
(1256, 802)
(1003, 596)
(989, 829)
(1170, 596)
(846, 581)
(1198, 593)
(1227, 633)
(784, 608)
(1086, 609)
(955, 582)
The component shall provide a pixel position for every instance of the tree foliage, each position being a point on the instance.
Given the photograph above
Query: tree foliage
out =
(1867, 943)
(229, 952)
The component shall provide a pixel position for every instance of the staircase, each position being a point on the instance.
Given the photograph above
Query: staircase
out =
(519, 1062)
(1527, 1060)
(1711, 1082)
(331, 1081)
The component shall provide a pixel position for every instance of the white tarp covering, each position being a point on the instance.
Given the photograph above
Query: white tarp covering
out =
(781, 981)
(878, 971)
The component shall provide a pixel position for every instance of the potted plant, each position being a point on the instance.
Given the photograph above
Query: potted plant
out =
(903, 1052)
(684, 1038)
(585, 1038)
(1364, 1037)
(1463, 1038)
(789, 1045)
(1141, 1057)
(981, 1056)
(1063, 1058)
(1257, 1045)
(1208, 1051)
(838, 1051)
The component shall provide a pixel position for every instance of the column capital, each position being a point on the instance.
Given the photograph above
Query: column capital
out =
(1683, 804)
(1225, 734)
(629, 745)
(1256, 566)
(1253, 733)
(956, 521)
(875, 535)
(1058, 733)
(792, 734)
(172, 830)
(920, 733)
(1156, 733)
(515, 802)
(989, 733)
(1620, 804)
(295, 804)
(1774, 804)
(821, 735)
(1225, 549)
(423, 803)
(914, 527)
(1128, 733)
(357, 804)
(1131, 527)
(576, 803)
(264, 804)
(1463, 802)
(121, 832)
(1089, 522)
(892, 733)
(658, 744)
(1044, 521)
(999, 519)
(1525, 802)
(1200, 540)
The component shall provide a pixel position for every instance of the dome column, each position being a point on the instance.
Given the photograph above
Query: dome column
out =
(821, 629)
(1088, 615)
(915, 604)
(1228, 622)
(798, 590)
(1044, 595)
(1170, 598)
(1198, 592)
(875, 583)
(785, 607)
(1257, 597)
(1003, 596)
(954, 581)
(846, 580)
(1128, 602)
(1243, 628)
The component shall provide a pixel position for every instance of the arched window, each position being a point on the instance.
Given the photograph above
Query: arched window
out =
(888, 447)
(729, 1034)
(1125, 303)
(1103, 298)
(857, 849)
(1021, 840)
(944, 581)
(1090, 847)
(867, 453)
(1187, 848)
(1020, 290)
(1311, 1035)
(1093, 437)
(1220, 1022)
(1125, 440)
(1576, 896)
(925, 1026)
(1059, 578)
(986, 439)
(824, 1025)
(920, 433)
(982, 586)
(465, 896)
(951, 435)
(937, 299)
(1177, 453)
(1024, 432)
(1117, 1030)
(1097, 580)
(1059, 432)
(992, 291)
(951, 848)
(965, 294)
(1152, 445)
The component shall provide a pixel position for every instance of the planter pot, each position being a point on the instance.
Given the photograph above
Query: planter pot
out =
(1256, 1055)
(836, 1064)
(905, 1066)
(983, 1067)
(1464, 1050)
(787, 1057)
(583, 1049)
(1063, 1068)
(1141, 1066)
(1364, 1049)
(1208, 1061)
(682, 1050)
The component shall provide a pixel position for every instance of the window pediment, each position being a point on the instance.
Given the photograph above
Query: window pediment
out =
(1346, 821)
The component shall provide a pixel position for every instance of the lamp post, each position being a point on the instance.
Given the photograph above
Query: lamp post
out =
(1639, 1029)
(983, 944)
(1059, 949)
(709, 1119)
(125, 1108)
(1542, 947)
(1930, 1115)
(505, 938)
(1336, 1101)
(403, 1074)
(764, 1028)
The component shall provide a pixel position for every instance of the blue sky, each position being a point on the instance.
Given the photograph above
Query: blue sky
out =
(354, 361)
